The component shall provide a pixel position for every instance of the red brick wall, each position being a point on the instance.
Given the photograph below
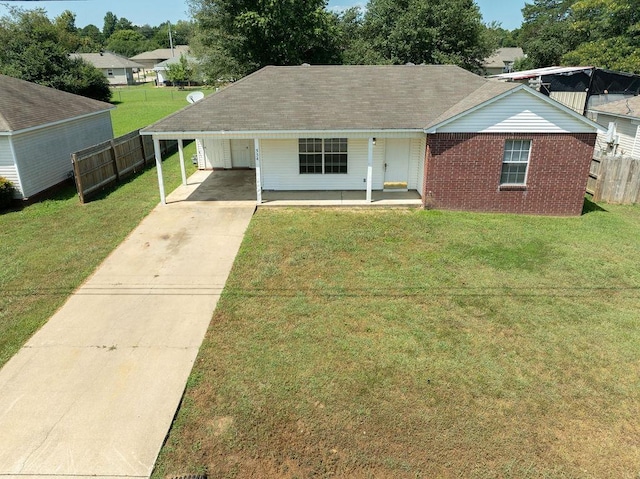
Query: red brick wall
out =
(462, 172)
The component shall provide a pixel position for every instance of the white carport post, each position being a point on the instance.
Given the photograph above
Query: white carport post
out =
(182, 169)
(158, 153)
(256, 144)
(369, 170)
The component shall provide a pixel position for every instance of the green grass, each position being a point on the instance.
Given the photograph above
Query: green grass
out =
(139, 106)
(47, 249)
(406, 343)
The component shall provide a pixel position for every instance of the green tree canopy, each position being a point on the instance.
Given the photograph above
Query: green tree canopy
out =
(423, 31)
(35, 49)
(546, 35)
(236, 37)
(127, 43)
(181, 72)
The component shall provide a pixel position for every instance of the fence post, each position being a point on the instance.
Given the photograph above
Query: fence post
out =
(114, 158)
(77, 178)
(602, 173)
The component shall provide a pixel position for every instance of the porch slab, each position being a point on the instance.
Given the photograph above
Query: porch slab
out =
(240, 186)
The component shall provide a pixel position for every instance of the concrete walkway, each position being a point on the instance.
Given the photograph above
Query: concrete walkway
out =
(94, 392)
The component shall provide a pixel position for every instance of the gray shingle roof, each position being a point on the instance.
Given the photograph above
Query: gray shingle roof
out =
(160, 54)
(502, 55)
(336, 98)
(107, 60)
(629, 107)
(25, 105)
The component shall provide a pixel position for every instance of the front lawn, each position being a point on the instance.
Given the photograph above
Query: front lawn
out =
(402, 343)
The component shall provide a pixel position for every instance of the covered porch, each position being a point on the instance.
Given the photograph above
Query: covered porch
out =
(240, 186)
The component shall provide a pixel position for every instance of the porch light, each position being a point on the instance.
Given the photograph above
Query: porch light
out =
(374, 142)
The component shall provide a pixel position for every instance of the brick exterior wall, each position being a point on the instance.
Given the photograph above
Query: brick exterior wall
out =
(462, 172)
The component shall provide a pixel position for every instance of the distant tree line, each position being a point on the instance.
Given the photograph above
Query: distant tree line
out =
(233, 38)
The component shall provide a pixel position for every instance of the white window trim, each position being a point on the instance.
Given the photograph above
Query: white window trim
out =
(322, 140)
(528, 162)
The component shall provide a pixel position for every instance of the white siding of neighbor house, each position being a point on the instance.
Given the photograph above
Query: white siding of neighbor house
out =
(8, 168)
(121, 76)
(44, 155)
(519, 112)
(627, 132)
(280, 166)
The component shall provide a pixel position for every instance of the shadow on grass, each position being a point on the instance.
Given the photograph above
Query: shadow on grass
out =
(591, 207)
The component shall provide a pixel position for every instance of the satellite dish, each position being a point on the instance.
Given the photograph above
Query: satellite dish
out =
(195, 96)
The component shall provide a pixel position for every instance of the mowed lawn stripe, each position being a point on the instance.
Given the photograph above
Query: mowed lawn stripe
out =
(404, 343)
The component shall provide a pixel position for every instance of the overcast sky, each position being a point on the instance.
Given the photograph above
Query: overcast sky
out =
(154, 12)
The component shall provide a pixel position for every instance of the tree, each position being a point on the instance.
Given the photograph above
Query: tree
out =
(127, 43)
(181, 72)
(110, 22)
(37, 50)
(236, 37)
(425, 31)
(546, 34)
(608, 30)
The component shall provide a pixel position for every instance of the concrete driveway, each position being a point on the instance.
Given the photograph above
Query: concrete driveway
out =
(94, 392)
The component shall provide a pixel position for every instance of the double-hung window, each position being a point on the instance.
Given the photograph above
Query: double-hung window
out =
(515, 162)
(322, 156)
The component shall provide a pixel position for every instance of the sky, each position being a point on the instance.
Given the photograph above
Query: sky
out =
(154, 12)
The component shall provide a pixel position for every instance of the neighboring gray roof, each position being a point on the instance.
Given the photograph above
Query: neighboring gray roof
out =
(503, 55)
(107, 60)
(176, 59)
(25, 105)
(160, 54)
(355, 97)
(628, 107)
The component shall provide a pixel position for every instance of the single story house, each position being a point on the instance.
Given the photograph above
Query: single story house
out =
(117, 69)
(162, 68)
(40, 128)
(502, 61)
(459, 140)
(151, 58)
(622, 122)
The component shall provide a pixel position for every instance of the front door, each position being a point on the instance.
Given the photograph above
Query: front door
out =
(241, 153)
(396, 164)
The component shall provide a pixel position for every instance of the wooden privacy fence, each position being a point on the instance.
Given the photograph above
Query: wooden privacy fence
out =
(111, 161)
(614, 179)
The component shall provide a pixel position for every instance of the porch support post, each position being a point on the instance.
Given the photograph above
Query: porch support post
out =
(369, 170)
(182, 169)
(158, 153)
(256, 143)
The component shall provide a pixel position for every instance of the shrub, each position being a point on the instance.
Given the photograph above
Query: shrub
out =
(6, 192)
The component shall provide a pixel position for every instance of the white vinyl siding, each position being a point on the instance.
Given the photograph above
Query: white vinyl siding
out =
(44, 155)
(636, 143)
(118, 76)
(281, 169)
(416, 164)
(626, 133)
(8, 168)
(520, 112)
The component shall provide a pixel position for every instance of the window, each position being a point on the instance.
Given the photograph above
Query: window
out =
(515, 161)
(320, 156)
(110, 72)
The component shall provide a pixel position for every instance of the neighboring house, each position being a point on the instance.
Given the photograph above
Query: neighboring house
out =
(150, 59)
(117, 69)
(502, 60)
(162, 68)
(40, 128)
(461, 141)
(579, 88)
(621, 119)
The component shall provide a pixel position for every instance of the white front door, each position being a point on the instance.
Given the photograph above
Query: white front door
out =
(396, 163)
(242, 153)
